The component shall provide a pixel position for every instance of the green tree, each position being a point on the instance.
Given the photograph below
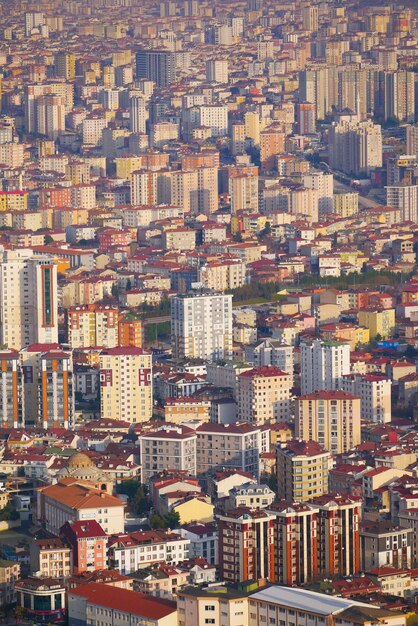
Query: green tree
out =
(156, 521)
(140, 503)
(172, 519)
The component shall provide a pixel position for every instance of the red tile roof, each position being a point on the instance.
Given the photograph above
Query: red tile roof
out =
(124, 600)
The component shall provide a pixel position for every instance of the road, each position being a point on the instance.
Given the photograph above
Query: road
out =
(363, 201)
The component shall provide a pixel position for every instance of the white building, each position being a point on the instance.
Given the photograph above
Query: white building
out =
(128, 553)
(217, 71)
(169, 447)
(405, 198)
(324, 183)
(201, 326)
(28, 299)
(322, 365)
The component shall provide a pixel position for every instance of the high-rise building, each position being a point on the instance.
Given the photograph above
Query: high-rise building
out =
(11, 408)
(323, 364)
(295, 542)
(338, 527)
(236, 446)
(302, 470)
(263, 395)
(246, 545)
(50, 116)
(161, 66)
(345, 203)
(374, 391)
(92, 325)
(306, 115)
(33, 20)
(55, 390)
(412, 139)
(201, 326)
(355, 147)
(399, 96)
(332, 418)
(405, 198)
(28, 299)
(324, 184)
(47, 386)
(238, 138)
(243, 190)
(313, 88)
(65, 65)
(126, 384)
(137, 114)
(272, 142)
(310, 18)
(217, 71)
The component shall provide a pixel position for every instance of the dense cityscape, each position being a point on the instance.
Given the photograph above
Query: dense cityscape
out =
(208, 313)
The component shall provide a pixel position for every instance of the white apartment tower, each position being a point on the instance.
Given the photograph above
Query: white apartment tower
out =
(137, 114)
(217, 71)
(323, 364)
(201, 326)
(28, 299)
(405, 198)
(324, 184)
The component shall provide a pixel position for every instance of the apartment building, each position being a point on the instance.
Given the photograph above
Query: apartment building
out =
(129, 552)
(201, 326)
(374, 391)
(28, 299)
(170, 447)
(332, 418)
(338, 532)
(295, 542)
(126, 384)
(235, 446)
(302, 470)
(322, 364)
(263, 395)
(93, 325)
(51, 557)
(246, 548)
(69, 500)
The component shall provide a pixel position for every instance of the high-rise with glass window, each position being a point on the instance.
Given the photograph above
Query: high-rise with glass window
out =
(28, 299)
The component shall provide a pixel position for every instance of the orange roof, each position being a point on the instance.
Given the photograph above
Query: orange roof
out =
(79, 496)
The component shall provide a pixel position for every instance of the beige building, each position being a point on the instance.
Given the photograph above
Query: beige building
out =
(374, 391)
(170, 447)
(98, 605)
(302, 470)
(345, 203)
(69, 500)
(126, 384)
(179, 239)
(332, 418)
(222, 275)
(9, 574)
(243, 190)
(51, 557)
(263, 395)
(93, 325)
